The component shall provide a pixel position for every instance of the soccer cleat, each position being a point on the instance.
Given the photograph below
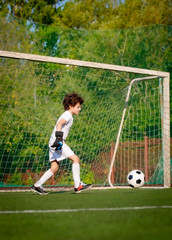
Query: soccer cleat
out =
(39, 190)
(82, 187)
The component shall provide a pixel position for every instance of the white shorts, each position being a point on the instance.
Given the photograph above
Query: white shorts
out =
(62, 154)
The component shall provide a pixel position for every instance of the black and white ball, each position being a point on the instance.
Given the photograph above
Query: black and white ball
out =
(136, 178)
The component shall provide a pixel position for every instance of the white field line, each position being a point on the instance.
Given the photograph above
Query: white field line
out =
(85, 210)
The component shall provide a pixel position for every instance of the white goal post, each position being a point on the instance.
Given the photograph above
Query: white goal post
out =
(151, 73)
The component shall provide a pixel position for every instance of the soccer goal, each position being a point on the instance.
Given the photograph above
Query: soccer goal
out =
(124, 123)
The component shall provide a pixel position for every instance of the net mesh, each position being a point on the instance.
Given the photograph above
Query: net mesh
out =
(140, 144)
(145, 47)
(31, 101)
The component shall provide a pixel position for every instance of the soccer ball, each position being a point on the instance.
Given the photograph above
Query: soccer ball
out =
(136, 179)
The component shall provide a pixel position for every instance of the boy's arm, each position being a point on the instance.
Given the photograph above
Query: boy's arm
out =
(58, 143)
(59, 124)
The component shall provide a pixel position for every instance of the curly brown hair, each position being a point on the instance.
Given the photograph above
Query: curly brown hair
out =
(72, 99)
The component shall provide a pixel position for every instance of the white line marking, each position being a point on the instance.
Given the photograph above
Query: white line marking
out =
(84, 210)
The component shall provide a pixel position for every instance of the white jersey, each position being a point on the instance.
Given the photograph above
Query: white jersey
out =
(65, 127)
(65, 152)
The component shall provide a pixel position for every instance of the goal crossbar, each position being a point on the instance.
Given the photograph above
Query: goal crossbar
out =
(66, 61)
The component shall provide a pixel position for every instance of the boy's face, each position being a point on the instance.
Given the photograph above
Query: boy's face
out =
(76, 109)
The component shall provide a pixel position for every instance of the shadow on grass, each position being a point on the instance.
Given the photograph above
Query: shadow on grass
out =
(57, 192)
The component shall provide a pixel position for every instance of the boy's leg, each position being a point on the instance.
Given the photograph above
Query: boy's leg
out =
(44, 178)
(76, 170)
(47, 175)
(76, 175)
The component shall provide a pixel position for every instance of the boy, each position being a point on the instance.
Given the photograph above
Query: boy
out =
(59, 150)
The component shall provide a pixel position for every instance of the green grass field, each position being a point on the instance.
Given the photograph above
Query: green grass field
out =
(88, 220)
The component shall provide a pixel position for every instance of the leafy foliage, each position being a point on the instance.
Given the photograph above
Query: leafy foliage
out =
(91, 14)
(40, 11)
(108, 14)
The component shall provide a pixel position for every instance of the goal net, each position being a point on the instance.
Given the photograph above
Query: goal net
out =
(123, 125)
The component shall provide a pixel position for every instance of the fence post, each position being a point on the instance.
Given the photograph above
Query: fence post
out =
(111, 156)
(146, 158)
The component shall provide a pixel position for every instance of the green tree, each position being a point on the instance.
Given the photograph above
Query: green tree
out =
(91, 14)
(86, 14)
(40, 11)
(108, 14)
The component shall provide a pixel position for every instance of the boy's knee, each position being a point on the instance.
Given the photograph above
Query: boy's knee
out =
(54, 167)
(54, 170)
(75, 159)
